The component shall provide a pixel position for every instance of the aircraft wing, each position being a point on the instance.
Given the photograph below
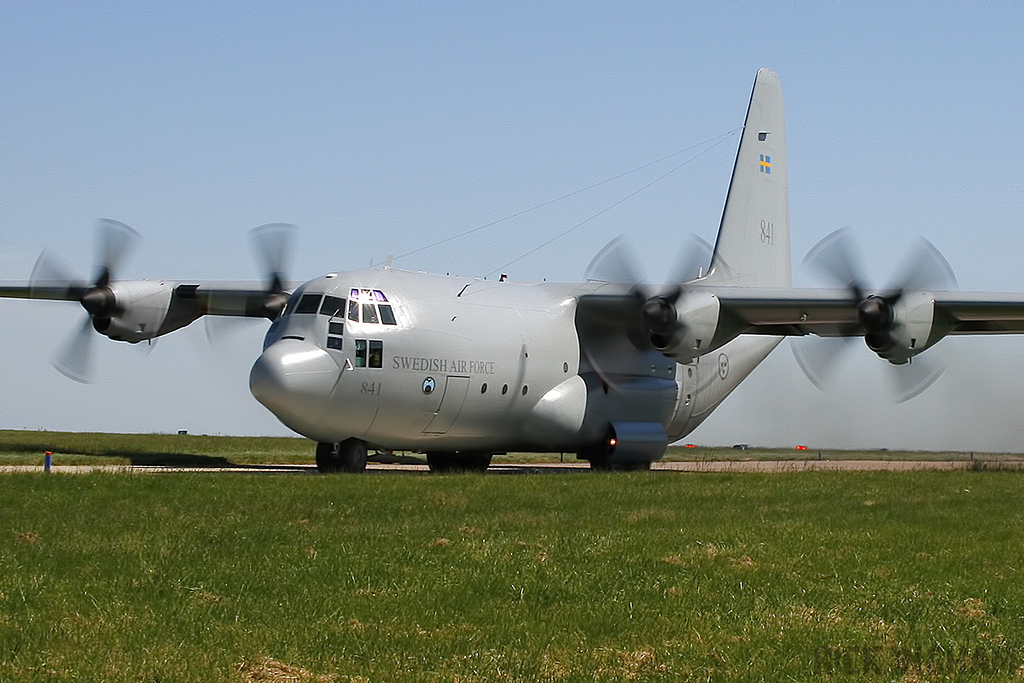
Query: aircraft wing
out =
(246, 299)
(831, 312)
(55, 292)
(234, 298)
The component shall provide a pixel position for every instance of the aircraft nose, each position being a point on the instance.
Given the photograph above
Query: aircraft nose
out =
(293, 379)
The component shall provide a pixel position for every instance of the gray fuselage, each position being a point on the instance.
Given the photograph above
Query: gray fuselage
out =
(461, 364)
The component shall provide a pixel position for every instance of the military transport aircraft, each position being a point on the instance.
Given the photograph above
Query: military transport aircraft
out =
(610, 369)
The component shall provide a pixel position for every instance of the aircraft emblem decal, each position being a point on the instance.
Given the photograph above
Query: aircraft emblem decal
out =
(723, 365)
(428, 386)
(766, 164)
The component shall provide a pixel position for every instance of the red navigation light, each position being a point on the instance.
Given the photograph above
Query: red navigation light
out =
(801, 448)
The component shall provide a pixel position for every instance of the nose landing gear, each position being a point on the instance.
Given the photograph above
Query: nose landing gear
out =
(347, 456)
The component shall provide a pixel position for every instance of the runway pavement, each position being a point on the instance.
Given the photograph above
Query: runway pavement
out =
(738, 466)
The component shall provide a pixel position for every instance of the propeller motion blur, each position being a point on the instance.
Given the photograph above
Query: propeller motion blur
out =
(610, 369)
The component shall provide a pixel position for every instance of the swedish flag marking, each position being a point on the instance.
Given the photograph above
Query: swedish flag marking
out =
(766, 164)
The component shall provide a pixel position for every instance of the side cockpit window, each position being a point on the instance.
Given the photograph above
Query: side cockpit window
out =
(309, 303)
(387, 316)
(369, 353)
(332, 306)
(376, 359)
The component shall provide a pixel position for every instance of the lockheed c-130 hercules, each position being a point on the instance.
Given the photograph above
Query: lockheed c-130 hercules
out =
(609, 369)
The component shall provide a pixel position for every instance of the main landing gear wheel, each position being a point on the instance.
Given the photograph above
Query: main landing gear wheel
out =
(458, 462)
(347, 456)
(600, 463)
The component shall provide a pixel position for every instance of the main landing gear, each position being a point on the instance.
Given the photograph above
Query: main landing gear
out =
(347, 456)
(458, 462)
(600, 458)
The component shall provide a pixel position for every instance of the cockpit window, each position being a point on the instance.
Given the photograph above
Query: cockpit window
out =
(374, 306)
(332, 306)
(376, 359)
(309, 303)
(360, 353)
(290, 306)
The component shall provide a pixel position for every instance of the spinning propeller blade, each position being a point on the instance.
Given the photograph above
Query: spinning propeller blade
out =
(647, 310)
(273, 243)
(836, 258)
(113, 242)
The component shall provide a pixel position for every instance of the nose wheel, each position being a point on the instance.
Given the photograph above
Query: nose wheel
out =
(347, 456)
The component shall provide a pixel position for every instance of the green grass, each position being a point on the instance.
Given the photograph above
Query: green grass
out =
(70, 448)
(570, 577)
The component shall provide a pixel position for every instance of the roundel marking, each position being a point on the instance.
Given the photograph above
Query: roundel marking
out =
(428, 385)
(723, 365)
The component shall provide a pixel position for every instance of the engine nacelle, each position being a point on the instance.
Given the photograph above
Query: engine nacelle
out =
(905, 328)
(695, 328)
(140, 310)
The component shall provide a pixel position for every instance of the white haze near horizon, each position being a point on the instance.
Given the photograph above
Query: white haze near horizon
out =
(381, 128)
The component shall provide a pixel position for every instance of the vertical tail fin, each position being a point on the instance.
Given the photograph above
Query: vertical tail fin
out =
(753, 239)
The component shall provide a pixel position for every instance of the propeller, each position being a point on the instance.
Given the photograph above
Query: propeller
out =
(837, 259)
(650, 310)
(273, 243)
(51, 279)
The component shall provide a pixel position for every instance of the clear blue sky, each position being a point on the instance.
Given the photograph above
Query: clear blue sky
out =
(382, 127)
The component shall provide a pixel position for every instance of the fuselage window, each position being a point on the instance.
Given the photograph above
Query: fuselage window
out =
(353, 310)
(334, 343)
(376, 354)
(309, 303)
(360, 353)
(335, 328)
(369, 313)
(332, 306)
(379, 296)
(387, 316)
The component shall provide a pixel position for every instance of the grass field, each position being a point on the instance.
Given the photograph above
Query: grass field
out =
(571, 577)
(22, 447)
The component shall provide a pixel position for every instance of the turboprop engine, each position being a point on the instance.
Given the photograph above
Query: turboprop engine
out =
(900, 327)
(684, 325)
(131, 310)
(897, 323)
